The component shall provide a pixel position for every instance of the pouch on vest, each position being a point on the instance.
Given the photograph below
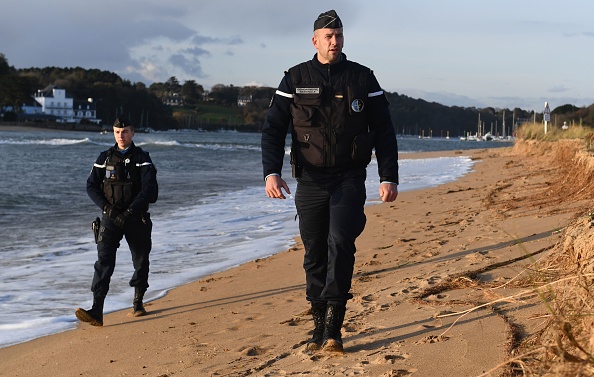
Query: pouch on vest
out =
(119, 194)
(363, 147)
(306, 100)
(357, 99)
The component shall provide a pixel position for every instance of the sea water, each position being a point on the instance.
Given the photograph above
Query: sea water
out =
(212, 214)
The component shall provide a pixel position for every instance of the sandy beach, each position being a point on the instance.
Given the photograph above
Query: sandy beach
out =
(422, 261)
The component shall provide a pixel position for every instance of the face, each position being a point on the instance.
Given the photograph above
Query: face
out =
(123, 136)
(329, 43)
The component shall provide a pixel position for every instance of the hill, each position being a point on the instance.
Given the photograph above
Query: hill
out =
(219, 108)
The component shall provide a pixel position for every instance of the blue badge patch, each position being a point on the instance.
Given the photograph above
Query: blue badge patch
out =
(357, 105)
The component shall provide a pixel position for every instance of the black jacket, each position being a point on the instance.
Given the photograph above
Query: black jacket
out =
(336, 113)
(142, 173)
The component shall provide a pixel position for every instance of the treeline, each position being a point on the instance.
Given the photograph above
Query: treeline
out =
(146, 106)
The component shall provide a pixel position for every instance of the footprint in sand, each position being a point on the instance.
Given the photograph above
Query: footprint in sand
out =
(365, 279)
(389, 359)
(369, 298)
(433, 339)
(398, 373)
(252, 351)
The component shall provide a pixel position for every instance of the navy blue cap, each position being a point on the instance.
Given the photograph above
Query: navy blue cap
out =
(329, 20)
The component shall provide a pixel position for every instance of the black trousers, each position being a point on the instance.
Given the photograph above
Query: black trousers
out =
(138, 235)
(331, 214)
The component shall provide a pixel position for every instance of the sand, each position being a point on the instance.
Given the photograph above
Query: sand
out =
(421, 262)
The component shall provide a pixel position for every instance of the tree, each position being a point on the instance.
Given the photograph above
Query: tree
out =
(4, 67)
(14, 90)
(191, 92)
(172, 85)
(224, 95)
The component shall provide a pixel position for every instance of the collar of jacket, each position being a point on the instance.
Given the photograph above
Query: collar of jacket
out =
(332, 68)
(130, 149)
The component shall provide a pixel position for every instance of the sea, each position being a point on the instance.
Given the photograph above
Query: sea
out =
(212, 215)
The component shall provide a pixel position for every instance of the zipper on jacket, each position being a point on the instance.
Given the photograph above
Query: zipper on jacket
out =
(331, 150)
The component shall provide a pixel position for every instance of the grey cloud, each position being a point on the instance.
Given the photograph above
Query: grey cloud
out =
(203, 39)
(558, 89)
(196, 51)
(190, 66)
(235, 40)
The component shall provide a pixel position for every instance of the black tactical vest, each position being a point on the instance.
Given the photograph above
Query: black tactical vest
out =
(329, 118)
(122, 178)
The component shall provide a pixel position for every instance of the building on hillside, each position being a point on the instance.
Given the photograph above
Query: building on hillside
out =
(54, 102)
(31, 107)
(85, 111)
(173, 100)
(244, 100)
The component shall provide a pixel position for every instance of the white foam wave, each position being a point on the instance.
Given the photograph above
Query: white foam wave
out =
(44, 141)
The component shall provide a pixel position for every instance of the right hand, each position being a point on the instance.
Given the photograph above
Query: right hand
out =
(275, 186)
(111, 212)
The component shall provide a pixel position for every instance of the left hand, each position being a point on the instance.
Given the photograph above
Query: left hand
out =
(121, 219)
(388, 192)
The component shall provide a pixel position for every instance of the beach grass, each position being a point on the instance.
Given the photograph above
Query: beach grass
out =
(564, 279)
(536, 131)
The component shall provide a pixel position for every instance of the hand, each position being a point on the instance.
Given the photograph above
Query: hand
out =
(109, 211)
(121, 219)
(388, 192)
(275, 186)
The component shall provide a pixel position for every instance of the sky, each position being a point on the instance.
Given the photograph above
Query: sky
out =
(501, 54)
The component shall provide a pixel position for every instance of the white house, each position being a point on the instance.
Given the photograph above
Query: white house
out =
(53, 101)
(244, 100)
(85, 110)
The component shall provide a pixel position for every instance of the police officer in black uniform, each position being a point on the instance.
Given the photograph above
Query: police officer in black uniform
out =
(337, 114)
(123, 182)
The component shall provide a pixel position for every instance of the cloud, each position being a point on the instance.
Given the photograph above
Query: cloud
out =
(558, 89)
(190, 66)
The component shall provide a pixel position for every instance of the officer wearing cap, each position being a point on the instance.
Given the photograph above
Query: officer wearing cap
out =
(123, 182)
(337, 114)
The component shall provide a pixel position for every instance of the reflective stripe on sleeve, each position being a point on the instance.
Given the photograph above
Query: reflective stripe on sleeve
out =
(375, 94)
(288, 95)
(99, 166)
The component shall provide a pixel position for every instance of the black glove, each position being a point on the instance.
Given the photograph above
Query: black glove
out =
(109, 211)
(121, 219)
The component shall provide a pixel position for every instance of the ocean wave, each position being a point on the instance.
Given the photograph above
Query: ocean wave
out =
(44, 141)
(210, 146)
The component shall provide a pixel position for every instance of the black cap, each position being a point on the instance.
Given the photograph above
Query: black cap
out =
(122, 122)
(328, 20)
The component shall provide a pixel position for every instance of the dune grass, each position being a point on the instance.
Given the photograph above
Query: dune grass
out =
(535, 131)
(565, 279)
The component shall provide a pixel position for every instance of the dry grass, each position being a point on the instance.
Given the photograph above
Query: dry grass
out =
(535, 131)
(565, 279)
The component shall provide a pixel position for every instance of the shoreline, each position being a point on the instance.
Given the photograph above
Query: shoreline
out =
(251, 318)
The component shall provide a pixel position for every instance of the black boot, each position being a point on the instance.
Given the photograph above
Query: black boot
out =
(138, 307)
(333, 324)
(318, 311)
(93, 316)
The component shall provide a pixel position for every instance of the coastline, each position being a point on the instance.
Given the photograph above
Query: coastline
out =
(251, 319)
(14, 126)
